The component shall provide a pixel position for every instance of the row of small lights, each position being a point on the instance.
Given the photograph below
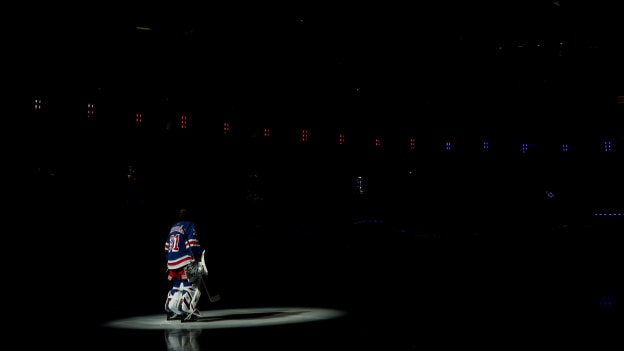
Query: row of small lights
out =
(138, 119)
(304, 138)
(448, 145)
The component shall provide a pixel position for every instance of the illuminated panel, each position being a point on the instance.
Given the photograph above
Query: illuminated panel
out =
(183, 122)
(37, 105)
(607, 146)
(609, 214)
(138, 118)
(304, 135)
(412, 144)
(486, 146)
(226, 127)
(377, 142)
(614, 213)
(90, 111)
(564, 148)
(341, 138)
(359, 184)
(266, 132)
(448, 145)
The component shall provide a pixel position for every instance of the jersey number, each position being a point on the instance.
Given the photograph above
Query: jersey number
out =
(174, 243)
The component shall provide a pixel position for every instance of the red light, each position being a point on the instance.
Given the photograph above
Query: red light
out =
(90, 111)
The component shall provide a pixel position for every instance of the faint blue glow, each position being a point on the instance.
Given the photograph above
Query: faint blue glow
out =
(607, 146)
(486, 146)
(607, 302)
(564, 147)
(609, 214)
(525, 148)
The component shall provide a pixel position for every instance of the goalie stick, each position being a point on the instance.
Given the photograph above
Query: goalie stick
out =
(212, 298)
(202, 263)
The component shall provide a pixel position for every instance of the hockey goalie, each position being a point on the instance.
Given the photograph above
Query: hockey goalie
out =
(182, 299)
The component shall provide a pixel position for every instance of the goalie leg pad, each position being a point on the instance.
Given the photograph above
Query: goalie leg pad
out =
(183, 299)
(173, 299)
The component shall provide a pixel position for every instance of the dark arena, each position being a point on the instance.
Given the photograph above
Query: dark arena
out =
(388, 177)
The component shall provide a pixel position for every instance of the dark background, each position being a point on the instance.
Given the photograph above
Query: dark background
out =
(284, 220)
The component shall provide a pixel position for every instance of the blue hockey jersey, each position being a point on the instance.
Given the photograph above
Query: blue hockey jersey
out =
(182, 245)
